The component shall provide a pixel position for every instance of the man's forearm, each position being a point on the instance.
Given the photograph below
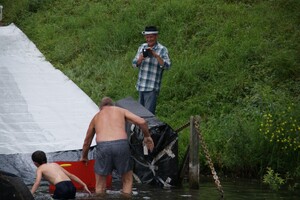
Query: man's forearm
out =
(139, 60)
(88, 140)
(85, 150)
(145, 129)
(159, 59)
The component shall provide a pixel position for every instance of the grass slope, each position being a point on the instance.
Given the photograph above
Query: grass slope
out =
(234, 62)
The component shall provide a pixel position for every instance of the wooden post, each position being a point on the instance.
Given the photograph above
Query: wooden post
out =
(194, 166)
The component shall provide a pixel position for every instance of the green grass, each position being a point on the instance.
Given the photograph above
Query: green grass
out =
(232, 61)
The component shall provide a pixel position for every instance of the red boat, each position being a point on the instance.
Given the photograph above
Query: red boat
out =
(84, 172)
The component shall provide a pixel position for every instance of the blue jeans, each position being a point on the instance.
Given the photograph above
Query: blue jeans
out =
(148, 100)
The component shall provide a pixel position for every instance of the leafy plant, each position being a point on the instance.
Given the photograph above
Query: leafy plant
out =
(273, 179)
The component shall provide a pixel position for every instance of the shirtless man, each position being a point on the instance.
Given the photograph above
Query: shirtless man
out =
(56, 175)
(112, 151)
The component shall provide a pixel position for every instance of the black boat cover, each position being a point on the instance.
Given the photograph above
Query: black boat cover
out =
(161, 165)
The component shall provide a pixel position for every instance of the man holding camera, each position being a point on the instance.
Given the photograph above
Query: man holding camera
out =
(152, 59)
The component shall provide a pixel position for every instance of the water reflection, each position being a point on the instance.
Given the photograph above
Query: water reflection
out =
(234, 189)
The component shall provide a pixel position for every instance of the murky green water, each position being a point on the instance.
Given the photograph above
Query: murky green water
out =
(234, 189)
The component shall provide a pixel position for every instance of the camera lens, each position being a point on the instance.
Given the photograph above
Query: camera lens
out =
(145, 53)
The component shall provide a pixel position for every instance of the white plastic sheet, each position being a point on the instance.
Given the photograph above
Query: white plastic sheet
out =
(40, 108)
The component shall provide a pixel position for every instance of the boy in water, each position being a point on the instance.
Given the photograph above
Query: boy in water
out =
(56, 175)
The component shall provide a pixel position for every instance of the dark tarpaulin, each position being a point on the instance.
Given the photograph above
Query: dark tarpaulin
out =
(159, 167)
(12, 187)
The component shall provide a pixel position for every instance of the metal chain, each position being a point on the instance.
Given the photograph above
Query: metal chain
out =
(211, 165)
(182, 127)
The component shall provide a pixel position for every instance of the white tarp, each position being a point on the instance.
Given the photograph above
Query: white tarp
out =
(40, 108)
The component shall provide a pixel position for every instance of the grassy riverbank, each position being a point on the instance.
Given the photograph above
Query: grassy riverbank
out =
(234, 62)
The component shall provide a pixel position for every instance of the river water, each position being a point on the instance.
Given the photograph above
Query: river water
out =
(234, 189)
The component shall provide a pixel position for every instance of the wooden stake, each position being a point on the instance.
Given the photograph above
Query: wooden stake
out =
(194, 165)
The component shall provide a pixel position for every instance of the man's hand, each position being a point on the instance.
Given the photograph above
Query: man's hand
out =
(140, 59)
(149, 143)
(85, 160)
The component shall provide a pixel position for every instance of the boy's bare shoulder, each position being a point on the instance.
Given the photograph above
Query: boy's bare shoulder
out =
(54, 164)
(50, 169)
(48, 166)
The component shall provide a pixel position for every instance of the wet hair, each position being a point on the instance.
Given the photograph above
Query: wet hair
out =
(39, 157)
(106, 101)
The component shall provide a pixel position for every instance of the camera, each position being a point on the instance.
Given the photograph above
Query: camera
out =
(146, 53)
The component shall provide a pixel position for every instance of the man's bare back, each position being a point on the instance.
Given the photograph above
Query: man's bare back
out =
(109, 123)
